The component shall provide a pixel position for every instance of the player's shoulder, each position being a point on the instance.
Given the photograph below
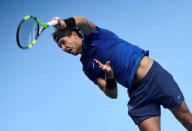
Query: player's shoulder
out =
(106, 33)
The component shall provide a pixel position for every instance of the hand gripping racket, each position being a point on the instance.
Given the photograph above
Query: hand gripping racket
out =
(29, 30)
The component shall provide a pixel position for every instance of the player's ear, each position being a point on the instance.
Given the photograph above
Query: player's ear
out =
(74, 34)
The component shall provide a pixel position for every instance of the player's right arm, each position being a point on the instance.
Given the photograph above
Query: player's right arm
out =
(87, 27)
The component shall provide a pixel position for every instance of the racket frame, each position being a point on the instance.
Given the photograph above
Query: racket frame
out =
(44, 26)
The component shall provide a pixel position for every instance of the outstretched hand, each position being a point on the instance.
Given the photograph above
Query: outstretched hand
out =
(105, 67)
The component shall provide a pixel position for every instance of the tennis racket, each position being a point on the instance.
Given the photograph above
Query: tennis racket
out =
(29, 31)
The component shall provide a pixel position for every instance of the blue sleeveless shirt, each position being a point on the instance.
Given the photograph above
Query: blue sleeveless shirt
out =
(104, 46)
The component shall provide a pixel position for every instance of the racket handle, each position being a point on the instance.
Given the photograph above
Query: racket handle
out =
(54, 22)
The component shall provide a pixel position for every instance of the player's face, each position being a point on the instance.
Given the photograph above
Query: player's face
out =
(71, 44)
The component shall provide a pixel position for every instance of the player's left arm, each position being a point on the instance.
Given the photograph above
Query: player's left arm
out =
(112, 93)
(108, 86)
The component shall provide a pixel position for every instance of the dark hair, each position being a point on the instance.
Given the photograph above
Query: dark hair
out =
(59, 33)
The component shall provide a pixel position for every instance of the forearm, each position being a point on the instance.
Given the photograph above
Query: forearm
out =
(112, 93)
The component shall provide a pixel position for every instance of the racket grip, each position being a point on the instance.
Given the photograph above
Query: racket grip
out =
(52, 23)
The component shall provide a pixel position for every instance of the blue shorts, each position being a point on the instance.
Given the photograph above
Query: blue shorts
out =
(156, 88)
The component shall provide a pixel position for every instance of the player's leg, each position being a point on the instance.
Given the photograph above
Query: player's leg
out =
(183, 114)
(169, 95)
(141, 107)
(150, 124)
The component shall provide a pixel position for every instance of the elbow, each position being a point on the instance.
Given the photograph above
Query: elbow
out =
(112, 93)
(80, 19)
(113, 97)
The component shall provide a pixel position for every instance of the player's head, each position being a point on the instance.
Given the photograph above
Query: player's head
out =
(70, 40)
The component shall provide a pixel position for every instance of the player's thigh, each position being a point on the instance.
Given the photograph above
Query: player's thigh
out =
(150, 124)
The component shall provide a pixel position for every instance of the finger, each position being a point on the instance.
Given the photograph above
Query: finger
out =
(98, 62)
(54, 18)
(108, 63)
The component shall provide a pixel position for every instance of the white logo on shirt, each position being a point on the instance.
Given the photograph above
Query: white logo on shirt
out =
(179, 97)
(93, 65)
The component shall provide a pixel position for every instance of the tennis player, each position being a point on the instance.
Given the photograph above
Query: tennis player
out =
(108, 60)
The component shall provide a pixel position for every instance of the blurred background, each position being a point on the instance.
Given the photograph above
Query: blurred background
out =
(45, 89)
